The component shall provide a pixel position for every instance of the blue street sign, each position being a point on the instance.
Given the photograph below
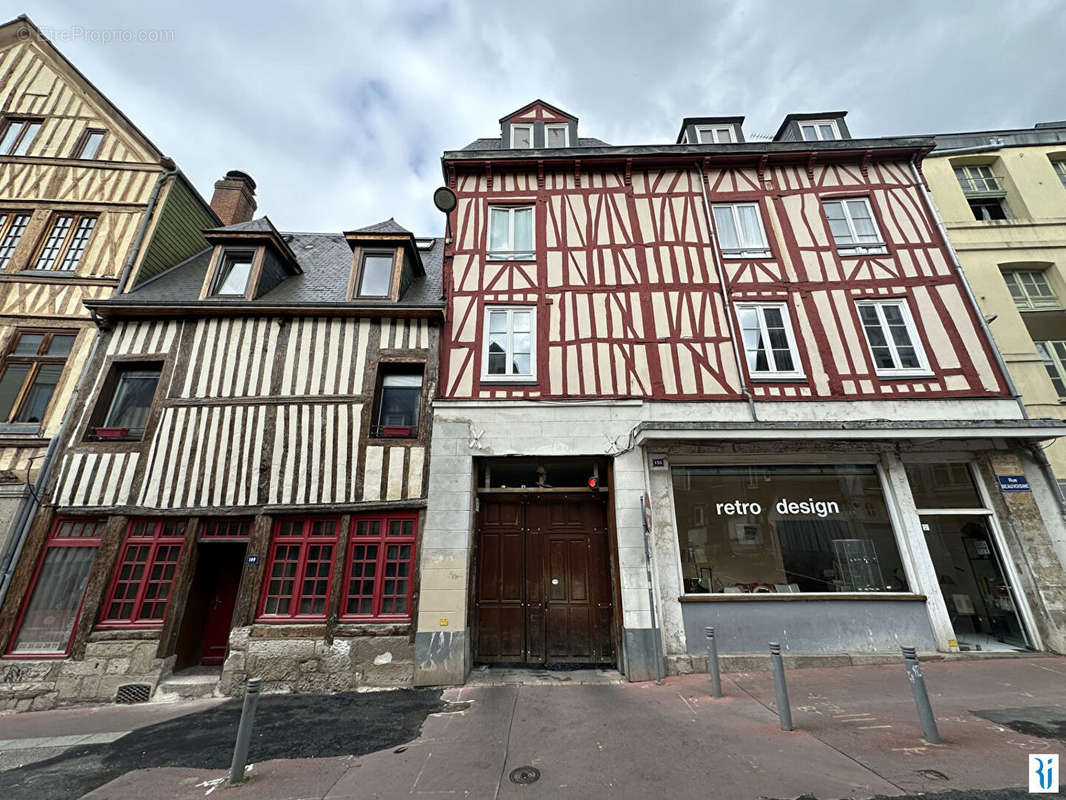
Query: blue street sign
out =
(253, 559)
(1013, 483)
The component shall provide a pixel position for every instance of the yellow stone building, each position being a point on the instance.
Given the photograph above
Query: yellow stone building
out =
(1002, 196)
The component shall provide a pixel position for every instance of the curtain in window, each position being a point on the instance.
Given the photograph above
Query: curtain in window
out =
(498, 224)
(53, 608)
(133, 398)
(523, 229)
(750, 233)
(727, 232)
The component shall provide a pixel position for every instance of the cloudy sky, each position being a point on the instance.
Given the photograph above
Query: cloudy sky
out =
(340, 110)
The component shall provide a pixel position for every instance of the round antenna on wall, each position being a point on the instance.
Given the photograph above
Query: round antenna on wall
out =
(444, 199)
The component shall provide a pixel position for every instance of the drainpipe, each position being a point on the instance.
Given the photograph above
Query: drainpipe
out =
(172, 170)
(1036, 451)
(28, 507)
(720, 269)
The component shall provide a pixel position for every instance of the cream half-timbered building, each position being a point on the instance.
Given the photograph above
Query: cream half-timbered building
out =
(82, 193)
(719, 382)
(244, 479)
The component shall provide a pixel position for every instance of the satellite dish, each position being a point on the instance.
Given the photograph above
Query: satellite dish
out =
(444, 199)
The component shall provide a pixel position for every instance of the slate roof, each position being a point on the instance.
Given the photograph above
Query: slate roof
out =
(260, 225)
(496, 143)
(326, 260)
(388, 226)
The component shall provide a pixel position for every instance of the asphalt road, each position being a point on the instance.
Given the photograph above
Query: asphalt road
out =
(286, 726)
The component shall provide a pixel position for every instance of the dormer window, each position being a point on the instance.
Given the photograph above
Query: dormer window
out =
(521, 137)
(235, 269)
(819, 130)
(714, 134)
(375, 273)
(557, 135)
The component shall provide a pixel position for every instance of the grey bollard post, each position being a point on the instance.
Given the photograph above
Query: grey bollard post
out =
(784, 711)
(244, 731)
(921, 696)
(712, 662)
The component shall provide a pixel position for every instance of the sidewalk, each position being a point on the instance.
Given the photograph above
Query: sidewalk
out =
(857, 736)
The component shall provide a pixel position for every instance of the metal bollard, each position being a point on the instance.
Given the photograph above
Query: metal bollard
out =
(784, 711)
(244, 731)
(921, 697)
(712, 663)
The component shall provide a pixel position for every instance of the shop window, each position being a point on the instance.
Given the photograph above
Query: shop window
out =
(12, 226)
(785, 529)
(892, 338)
(121, 411)
(380, 567)
(1030, 289)
(46, 625)
(943, 485)
(31, 371)
(1053, 354)
(66, 242)
(768, 341)
(398, 401)
(853, 227)
(299, 570)
(740, 231)
(141, 584)
(511, 233)
(509, 345)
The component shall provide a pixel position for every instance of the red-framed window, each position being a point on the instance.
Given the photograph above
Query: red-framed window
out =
(48, 618)
(299, 571)
(144, 574)
(379, 581)
(226, 529)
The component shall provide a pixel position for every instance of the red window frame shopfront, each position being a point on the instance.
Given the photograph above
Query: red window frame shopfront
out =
(67, 532)
(378, 569)
(144, 574)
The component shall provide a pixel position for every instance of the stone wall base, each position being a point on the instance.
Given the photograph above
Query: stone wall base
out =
(315, 665)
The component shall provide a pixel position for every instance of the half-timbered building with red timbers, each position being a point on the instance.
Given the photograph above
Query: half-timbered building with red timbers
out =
(718, 383)
(242, 492)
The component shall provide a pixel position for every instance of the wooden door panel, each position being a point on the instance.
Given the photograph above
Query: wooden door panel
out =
(500, 592)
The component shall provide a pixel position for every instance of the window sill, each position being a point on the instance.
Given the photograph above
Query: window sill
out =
(756, 597)
(523, 259)
(854, 252)
(903, 374)
(503, 380)
(783, 377)
(735, 255)
(36, 656)
(128, 626)
(20, 429)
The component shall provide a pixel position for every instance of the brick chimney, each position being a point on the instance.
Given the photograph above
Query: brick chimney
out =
(234, 197)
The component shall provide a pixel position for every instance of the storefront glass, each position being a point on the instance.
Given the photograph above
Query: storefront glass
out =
(777, 529)
(946, 484)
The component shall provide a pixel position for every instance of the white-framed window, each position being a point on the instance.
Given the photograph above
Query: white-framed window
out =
(1060, 169)
(521, 137)
(852, 224)
(819, 130)
(714, 134)
(1054, 356)
(769, 343)
(740, 230)
(557, 135)
(978, 179)
(234, 270)
(1030, 289)
(511, 233)
(892, 337)
(510, 347)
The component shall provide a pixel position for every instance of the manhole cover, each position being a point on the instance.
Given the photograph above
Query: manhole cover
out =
(524, 775)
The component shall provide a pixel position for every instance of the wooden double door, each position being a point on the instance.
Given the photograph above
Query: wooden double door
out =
(543, 581)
